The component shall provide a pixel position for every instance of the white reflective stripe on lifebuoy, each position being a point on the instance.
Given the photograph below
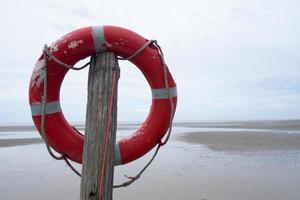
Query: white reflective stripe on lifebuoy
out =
(52, 107)
(118, 160)
(99, 38)
(163, 93)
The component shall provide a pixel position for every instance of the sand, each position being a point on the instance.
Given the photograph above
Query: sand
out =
(243, 141)
(196, 164)
(255, 124)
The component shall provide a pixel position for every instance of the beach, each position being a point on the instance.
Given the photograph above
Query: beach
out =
(203, 161)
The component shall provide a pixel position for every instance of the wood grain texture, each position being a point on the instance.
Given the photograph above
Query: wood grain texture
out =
(99, 94)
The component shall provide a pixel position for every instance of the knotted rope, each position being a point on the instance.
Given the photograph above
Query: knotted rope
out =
(48, 56)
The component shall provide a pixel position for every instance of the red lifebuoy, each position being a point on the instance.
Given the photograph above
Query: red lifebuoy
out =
(78, 45)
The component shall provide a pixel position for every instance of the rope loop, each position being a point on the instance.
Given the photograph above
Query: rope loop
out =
(172, 107)
(43, 117)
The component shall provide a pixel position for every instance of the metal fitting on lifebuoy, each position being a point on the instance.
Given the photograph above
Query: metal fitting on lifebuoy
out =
(85, 42)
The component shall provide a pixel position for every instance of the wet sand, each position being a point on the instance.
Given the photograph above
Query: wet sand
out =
(243, 141)
(196, 164)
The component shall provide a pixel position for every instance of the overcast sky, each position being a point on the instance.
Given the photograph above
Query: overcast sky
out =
(231, 59)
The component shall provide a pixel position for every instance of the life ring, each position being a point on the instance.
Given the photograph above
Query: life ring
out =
(78, 45)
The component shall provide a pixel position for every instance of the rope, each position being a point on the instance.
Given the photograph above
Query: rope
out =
(44, 106)
(132, 179)
(139, 51)
(172, 106)
(49, 56)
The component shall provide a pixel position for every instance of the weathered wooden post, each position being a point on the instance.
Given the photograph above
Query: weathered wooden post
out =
(97, 183)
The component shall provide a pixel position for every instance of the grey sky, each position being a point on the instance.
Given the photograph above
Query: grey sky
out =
(231, 59)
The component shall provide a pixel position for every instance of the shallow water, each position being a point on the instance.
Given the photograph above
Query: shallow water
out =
(181, 171)
(18, 135)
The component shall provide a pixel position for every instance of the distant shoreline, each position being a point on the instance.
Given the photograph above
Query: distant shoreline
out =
(235, 141)
(220, 136)
(33, 128)
(19, 142)
(251, 124)
(17, 128)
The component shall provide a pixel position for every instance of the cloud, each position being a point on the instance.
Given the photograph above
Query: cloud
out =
(82, 12)
(230, 59)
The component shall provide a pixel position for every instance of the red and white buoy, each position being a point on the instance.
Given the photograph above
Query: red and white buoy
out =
(85, 42)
